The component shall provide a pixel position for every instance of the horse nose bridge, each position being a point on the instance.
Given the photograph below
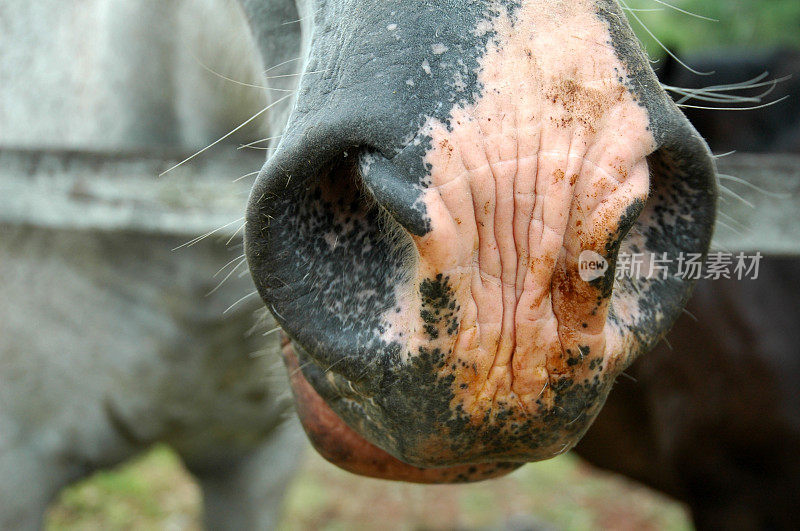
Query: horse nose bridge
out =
(376, 70)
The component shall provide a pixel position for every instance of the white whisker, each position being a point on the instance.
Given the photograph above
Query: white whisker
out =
(716, 93)
(297, 21)
(570, 423)
(256, 115)
(275, 312)
(235, 233)
(254, 142)
(735, 195)
(729, 227)
(690, 314)
(207, 234)
(246, 175)
(770, 104)
(221, 269)
(732, 220)
(232, 306)
(296, 74)
(270, 332)
(235, 81)
(301, 367)
(777, 195)
(662, 45)
(643, 9)
(676, 8)
(232, 271)
(273, 67)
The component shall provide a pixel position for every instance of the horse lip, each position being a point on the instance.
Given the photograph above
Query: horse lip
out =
(341, 445)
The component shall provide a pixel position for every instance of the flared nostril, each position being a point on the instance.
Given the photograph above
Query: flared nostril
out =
(325, 257)
(393, 189)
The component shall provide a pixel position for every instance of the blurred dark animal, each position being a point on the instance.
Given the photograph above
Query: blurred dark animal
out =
(773, 129)
(713, 417)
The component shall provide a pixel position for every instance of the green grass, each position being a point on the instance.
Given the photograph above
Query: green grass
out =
(150, 492)
(155, 492)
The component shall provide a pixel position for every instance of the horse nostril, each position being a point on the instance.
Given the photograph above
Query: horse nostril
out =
(325, 257)
(394, 191)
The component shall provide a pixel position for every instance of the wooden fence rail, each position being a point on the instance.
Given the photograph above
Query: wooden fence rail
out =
(122, 192)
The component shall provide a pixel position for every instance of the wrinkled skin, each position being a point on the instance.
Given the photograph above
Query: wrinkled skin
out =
(418, 229)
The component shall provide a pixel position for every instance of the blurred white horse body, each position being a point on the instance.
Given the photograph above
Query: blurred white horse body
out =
(107, 340)
(125, 74)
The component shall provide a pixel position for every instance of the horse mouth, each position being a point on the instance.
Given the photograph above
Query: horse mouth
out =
(341, 445)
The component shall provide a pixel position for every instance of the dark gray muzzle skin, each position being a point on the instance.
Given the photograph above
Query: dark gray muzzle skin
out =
(363, 96)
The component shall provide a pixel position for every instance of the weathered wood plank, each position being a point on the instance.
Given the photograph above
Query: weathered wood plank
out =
(770, 223)
(123, 192)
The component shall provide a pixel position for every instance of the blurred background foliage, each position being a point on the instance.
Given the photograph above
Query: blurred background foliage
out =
(746, 24)
(155, 492)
